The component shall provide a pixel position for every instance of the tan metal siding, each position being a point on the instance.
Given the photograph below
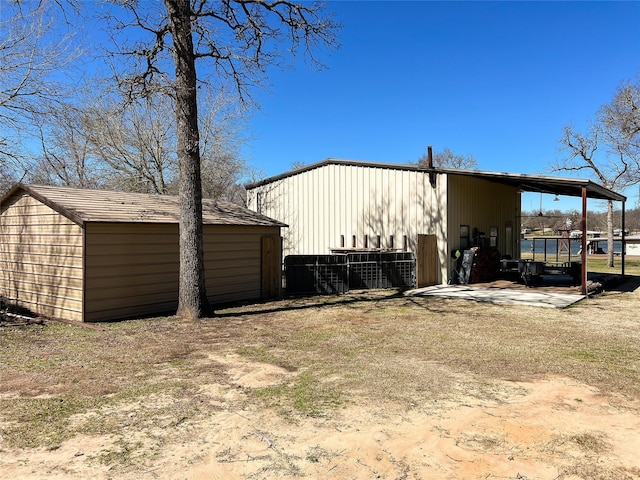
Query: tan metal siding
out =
(233, 262)
(482, 204)
(132, 269)
(40, 259)
(322, 204)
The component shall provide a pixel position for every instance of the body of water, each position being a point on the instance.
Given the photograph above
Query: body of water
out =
(527, 246)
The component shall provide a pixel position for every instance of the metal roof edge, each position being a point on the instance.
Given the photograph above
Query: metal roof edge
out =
(590, 185)
(596, 186)
(334, 161)
(529, 176)
(601, 191)
(32, 191)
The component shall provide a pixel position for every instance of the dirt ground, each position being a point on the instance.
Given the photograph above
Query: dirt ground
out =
(544, 427)
(550, 428)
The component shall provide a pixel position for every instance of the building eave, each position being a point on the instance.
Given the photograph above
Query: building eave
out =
(523, 182)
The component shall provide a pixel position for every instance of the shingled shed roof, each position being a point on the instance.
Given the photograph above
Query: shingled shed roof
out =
(82, 206)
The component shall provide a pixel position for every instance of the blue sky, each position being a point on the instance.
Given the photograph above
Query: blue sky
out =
(496, 80)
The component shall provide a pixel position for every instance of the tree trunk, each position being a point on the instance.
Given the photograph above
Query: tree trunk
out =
(192, 296)
(610, 233)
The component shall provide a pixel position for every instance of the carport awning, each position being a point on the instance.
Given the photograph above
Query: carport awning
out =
(572, 187)
(545, 184)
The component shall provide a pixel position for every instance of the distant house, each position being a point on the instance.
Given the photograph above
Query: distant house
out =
(346, 204)
(92, 255)
(598, 244)
(633, 245)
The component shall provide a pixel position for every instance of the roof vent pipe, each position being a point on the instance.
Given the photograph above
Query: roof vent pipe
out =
(432, 174)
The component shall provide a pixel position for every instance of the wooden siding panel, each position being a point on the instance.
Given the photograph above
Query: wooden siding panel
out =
(106, 310)
(40, 259)
(49, 296)
(427, 261)
(104, 283)
(46, 283)
(36, 219)
(58, 249)
(50, 236)
(271, 267)
(141, 250)
(136, 261)
(41, 269)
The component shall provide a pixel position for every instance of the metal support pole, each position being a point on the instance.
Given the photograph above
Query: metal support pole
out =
(583, 275)
(624, 242)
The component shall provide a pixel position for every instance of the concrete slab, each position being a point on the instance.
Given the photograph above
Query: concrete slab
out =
(529, 297)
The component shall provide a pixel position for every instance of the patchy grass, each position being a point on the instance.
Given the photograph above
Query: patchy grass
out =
(599, 264)
(46, 422)
(124, 453)
(306, 394)
(142, 381)
(595, 263)
(43, 422)
(264, 354)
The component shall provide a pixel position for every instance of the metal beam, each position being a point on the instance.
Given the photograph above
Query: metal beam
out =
(583, 275)
(624, 242)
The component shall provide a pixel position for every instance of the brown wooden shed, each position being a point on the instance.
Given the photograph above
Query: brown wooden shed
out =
(93, 255)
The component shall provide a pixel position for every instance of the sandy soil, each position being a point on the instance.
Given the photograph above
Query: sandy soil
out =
(547, 428)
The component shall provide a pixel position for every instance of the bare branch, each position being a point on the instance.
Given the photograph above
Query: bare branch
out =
(448, 159)
(617, 165)
(238, 41)
(32, 50)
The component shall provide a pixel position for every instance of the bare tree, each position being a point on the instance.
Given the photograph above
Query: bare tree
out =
(65, 151)
(608, 150)
(135, 143)
(222, 122)
(240, 40)
(619, 122)
(99, 143)
(221, 175)
(297, 165)
(7, 177)
(32, 50)
(448, 159)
